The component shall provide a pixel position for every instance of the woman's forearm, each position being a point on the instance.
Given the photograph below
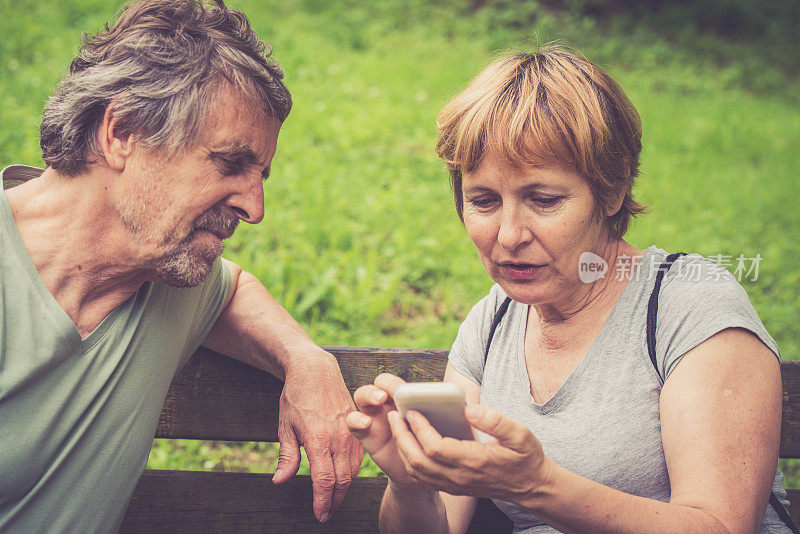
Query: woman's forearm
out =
(412, 509)
(573, 504)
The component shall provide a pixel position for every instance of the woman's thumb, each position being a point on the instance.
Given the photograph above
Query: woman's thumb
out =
(508, 432)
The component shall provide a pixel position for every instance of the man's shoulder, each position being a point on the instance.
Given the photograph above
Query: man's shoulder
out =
(14, 175)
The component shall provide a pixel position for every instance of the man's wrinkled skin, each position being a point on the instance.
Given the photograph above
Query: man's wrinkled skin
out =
(139, 216)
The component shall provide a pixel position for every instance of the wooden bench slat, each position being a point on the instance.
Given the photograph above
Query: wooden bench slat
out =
(196, 501)
(191, 501)
(794, 504)
(217, 398)
(790, 422)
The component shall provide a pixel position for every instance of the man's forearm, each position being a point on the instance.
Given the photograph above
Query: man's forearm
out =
(314, 403)
(418, 510)
(256, 330)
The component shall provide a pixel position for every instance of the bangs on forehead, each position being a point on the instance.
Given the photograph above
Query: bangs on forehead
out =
(525, 110)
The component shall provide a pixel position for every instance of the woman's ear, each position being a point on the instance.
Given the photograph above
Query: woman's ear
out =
(615, 206)
(114, 142)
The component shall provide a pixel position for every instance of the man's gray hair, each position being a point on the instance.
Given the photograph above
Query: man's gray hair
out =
(162, 64)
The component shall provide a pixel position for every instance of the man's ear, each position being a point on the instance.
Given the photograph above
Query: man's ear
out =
(115, 143)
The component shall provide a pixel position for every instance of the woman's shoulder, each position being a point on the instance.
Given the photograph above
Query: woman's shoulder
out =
(699, 297)
(693, 275)
(494, 299)
(468, 350)
(486, 308)
(694, 282)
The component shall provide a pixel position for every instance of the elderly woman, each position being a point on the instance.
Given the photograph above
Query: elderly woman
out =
(593, 427)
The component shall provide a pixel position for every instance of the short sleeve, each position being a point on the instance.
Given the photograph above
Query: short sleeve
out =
(212, 297)
(468, 350)
(698, 299)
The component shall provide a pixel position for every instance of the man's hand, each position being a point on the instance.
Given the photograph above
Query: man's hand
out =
(253, 328)
(313, 408)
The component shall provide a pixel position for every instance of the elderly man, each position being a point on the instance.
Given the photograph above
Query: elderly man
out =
(155, 145)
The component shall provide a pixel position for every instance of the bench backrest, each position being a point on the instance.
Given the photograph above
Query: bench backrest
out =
(216, 398)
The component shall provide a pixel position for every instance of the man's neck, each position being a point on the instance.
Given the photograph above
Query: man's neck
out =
(77, 244)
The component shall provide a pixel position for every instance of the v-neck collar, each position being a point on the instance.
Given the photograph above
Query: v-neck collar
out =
(18, 174)
(568, 386)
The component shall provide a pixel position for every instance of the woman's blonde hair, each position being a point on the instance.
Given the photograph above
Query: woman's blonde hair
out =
(547, 106)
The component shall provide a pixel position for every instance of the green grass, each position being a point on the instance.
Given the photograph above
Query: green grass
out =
(361, 242)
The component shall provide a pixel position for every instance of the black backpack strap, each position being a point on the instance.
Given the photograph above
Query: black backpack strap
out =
(498, 316)
(652, 310)
(783, 513)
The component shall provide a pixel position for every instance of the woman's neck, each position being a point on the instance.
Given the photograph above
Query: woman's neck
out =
(584, 311)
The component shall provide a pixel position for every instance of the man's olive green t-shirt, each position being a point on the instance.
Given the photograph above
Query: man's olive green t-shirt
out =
(77, 417)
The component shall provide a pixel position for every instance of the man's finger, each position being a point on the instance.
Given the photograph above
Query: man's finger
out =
(509, 433)
(288, 456)
(323, 480)
(356, 458)
(344, 476)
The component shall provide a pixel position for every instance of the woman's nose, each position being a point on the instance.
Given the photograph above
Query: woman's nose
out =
(514, 230)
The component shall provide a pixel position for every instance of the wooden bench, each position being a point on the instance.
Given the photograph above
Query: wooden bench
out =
(216, 398)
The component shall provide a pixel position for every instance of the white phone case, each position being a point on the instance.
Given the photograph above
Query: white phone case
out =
(442, 404)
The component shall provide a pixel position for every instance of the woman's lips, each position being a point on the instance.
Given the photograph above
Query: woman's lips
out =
(520, 271)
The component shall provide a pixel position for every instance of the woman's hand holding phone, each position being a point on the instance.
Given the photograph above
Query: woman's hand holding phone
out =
(511, 465)
(371, 426)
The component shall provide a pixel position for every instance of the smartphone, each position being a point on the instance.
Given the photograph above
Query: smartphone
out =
(442, 404)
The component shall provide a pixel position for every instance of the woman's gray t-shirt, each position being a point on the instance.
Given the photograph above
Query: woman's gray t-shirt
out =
(603, 423)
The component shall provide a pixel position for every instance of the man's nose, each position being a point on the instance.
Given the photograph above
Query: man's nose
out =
(248, 202)
(515, 230)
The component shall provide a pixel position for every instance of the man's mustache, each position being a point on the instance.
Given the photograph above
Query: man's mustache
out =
(218, 221)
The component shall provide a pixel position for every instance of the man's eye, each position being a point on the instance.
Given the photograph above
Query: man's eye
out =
(230, 167)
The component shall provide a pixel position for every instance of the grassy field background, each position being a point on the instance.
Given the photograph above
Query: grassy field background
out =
(361, 242)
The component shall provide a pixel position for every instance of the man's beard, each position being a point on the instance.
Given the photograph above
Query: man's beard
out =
(186, 264)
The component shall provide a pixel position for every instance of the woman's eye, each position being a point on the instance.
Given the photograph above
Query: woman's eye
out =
(547, 202)
(481, 202)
